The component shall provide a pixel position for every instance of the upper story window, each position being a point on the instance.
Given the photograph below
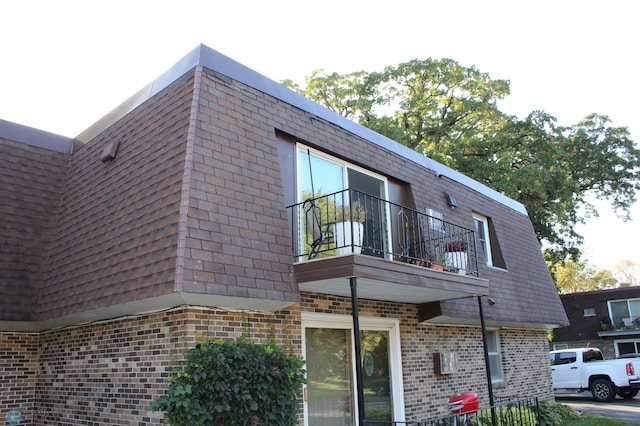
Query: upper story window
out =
(345, 208)
(435, 220)
(320, 174)
(589, 312)
(487, 241)
(625, 313)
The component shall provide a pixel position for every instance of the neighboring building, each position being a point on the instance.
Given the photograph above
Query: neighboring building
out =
(607, 319)
(182, 214)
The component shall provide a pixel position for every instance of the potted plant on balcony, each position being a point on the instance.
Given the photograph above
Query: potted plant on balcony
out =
(432, 261)
(349, 222)
(456, 255)
(437, 264)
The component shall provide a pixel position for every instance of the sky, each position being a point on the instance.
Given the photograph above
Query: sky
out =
(65, 64)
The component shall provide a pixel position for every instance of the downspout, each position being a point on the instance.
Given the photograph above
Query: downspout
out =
(358, 354)
(487, 366)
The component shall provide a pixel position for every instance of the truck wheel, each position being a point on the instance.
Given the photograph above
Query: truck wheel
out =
(627, 393)
(602, 390)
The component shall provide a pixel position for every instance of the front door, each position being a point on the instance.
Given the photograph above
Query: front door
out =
(329, 376)
(330, 394)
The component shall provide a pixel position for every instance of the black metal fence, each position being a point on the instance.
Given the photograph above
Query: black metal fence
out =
(351, 221)
(508, 412)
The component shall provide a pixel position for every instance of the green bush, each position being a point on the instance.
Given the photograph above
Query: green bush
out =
(234, 383)
(555, 414)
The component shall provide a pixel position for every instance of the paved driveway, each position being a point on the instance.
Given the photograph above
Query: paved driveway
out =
(624, 409)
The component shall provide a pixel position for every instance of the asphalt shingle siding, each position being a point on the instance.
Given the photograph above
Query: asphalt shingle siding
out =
(116, 239)
(117, 236)
(238, 242)
(239, 134)
(31, 180)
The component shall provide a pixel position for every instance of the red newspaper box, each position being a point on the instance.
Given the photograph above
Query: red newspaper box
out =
(463, 402)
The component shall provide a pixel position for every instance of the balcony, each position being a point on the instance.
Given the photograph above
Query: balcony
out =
(398, 253)
(620, 325)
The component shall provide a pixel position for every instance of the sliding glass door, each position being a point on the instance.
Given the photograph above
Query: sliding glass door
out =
(319, 175)
(330, 394)
(329, 376)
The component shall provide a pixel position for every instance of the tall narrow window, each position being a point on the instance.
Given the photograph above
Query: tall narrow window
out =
(487, 241)
(495, 359)
(435, 220)
(482, 232)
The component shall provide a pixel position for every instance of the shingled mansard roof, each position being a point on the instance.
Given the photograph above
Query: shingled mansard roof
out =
(57, 264)
(215, 61)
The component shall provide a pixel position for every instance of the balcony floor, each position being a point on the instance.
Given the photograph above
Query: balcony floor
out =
(384, 279)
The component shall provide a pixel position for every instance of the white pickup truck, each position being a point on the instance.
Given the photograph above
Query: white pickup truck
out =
(580, 369)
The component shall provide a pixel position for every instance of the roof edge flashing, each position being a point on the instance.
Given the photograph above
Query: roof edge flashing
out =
(35, 137)
(215, 61)
(184, 65)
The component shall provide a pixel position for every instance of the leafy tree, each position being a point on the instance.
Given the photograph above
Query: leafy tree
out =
(449, 113)
(352, 95)
(627, 273)
(575, 277)
(440, 103)
(235, 383)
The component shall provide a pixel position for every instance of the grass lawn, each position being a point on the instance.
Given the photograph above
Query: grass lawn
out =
(591, 420)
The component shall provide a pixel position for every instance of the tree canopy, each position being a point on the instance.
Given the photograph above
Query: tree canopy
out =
(450, 113)
(576, 277)
(580, 276)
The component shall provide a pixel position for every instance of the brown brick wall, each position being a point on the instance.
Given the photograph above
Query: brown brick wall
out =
(525, 364)
(116, 240)
(18, 374)
(30, 183)
(107, 373)
(526, 372)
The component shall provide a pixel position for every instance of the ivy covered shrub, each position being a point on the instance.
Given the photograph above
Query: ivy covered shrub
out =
(234, 383)
(552, 414)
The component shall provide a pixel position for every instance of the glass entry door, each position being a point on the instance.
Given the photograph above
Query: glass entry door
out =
(330, 393)
(329, 376)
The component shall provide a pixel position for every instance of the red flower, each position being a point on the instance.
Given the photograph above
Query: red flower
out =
(457, 245)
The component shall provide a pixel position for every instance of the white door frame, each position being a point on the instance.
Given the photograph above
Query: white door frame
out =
(390, 325)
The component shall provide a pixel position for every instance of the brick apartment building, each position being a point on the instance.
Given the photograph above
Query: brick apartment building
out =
(607, 319)
(216, 202)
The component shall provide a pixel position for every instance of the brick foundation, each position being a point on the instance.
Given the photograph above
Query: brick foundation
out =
(109, 372)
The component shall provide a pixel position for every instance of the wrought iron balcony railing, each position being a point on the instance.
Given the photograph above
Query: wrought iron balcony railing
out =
(351, 221)
(621, 322)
